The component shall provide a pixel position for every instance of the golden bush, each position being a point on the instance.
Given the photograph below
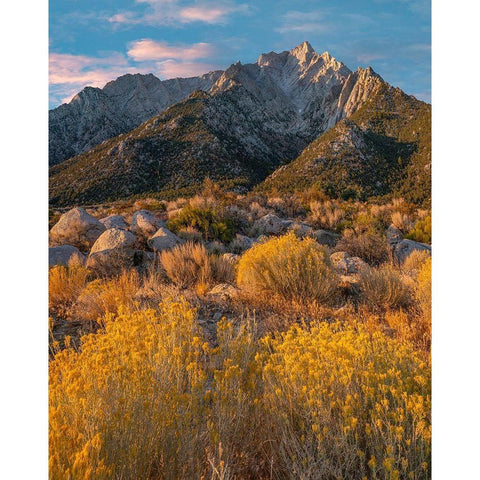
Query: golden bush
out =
(414, 262)
(383, 287)
(293, 268)
(190, 264)
(423, 288)
(64, 285)
(104, 296)
(148, 398)
(127, 405)
(346, 403)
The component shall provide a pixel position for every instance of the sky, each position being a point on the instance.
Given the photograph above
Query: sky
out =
(93, 42)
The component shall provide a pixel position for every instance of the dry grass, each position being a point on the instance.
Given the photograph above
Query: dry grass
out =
(414, 262)
(411, 328)
(104, 296)
(370, 247)
(64, 286)
(384, 288)
(190, 234)
(326, 215)
(402, 221)
(190, 264)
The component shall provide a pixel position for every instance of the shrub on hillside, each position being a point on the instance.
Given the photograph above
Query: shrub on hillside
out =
(370, 247)
(326, 214)
(190, 264)
(212, 224)
(65, 284)
(414, 262)
(293, 268)
(128, 404)
(422, 231)
(423, 288)
(384, 288)
(402, 221)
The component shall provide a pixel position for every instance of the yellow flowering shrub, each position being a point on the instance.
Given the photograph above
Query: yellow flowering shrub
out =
(347, 404)
(423, 289)
(127, 404)
(293, 268)
(147, 398)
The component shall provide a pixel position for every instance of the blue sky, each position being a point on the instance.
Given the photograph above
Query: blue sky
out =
(92, 42)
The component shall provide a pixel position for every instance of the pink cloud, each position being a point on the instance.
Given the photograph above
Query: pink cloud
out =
(174, 69)
(202, 14)
(146, 49)
(66, 68)
(68, 74)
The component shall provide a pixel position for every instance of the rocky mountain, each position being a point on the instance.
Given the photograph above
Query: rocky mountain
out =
(382, 148)
(251, 120)
(95, 114)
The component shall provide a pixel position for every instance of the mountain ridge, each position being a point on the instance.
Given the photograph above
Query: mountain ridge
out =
(253, 119)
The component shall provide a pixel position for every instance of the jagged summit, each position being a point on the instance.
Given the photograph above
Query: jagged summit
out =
(300, 90)
(303, 52)
(140, 134)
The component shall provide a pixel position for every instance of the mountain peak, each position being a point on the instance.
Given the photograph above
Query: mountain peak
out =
(303, 51)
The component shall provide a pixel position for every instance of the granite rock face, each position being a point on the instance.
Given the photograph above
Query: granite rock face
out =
(95, 115)
(62, 254)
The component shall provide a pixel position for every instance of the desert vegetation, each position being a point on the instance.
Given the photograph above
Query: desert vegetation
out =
(251, 336)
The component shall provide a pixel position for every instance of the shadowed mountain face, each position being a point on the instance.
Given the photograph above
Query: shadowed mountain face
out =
(238, 126)
(95, 114)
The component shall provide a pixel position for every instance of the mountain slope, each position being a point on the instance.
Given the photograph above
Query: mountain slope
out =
(95, 114)
(382, 148)
(253, 119)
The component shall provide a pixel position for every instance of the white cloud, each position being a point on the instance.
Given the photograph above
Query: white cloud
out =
(175, 12)
(307, 22)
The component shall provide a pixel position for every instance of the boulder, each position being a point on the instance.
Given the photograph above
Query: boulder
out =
(163, 240)
(241, 243)
(144, 223)
(324, 237)
(143, 260)
(115, 221)
(300, 229)
(345, 264)
(114, 239)
(270, 224)
(63, 254)
(393, 235)
(404, 248)
(77, 228)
